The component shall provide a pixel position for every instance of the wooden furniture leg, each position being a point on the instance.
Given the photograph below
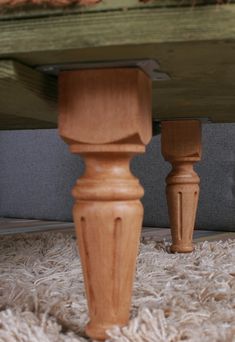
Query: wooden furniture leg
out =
(105, 115)
(181, 146)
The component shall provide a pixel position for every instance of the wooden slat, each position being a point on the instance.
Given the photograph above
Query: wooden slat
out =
(206, 99)
(10, 226)
(27, 97)
(195, 46)
(35, 10)
(38, 40)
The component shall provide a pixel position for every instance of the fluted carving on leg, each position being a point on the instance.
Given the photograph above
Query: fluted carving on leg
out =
(182, 199)
(181, 146)
(108, 217)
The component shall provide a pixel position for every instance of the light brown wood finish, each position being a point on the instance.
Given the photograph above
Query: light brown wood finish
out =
(105, 115)
(181, 146)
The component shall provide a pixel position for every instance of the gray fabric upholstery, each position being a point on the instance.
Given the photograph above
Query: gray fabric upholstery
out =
(37, 173)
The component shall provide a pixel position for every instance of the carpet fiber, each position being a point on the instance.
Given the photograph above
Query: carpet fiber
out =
(176, 297)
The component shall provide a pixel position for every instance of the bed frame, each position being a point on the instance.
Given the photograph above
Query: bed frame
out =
(79, 67)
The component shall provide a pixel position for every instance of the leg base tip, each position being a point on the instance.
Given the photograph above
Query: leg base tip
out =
(181, 249)
(98, 331)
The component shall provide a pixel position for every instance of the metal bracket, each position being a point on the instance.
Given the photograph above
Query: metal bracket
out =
(149, 66)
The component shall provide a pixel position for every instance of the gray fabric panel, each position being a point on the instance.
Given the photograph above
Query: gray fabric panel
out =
(37, 173)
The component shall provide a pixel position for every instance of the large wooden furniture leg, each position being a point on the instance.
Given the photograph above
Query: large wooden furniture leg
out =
(181, 146)
(105, 116)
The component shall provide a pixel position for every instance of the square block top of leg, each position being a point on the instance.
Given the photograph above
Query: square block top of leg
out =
(100, 106)
(181, 139)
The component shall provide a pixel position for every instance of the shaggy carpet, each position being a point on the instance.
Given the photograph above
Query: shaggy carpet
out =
(176, 297)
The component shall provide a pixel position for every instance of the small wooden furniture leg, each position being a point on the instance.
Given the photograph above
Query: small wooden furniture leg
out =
(181, 146)
(105, 115)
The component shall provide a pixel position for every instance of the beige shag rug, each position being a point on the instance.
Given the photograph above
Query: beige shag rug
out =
(176, 297)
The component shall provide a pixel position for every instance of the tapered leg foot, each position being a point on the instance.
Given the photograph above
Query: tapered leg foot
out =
(97, 332)
(108, 222)
(105, 116)
(181, 146)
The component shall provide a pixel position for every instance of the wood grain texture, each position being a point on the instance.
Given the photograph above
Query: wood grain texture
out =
(127, 92)
(105, 116)
(36, 10)
(196, 47)
(114, 28)
(181, 146)
(27, 97)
